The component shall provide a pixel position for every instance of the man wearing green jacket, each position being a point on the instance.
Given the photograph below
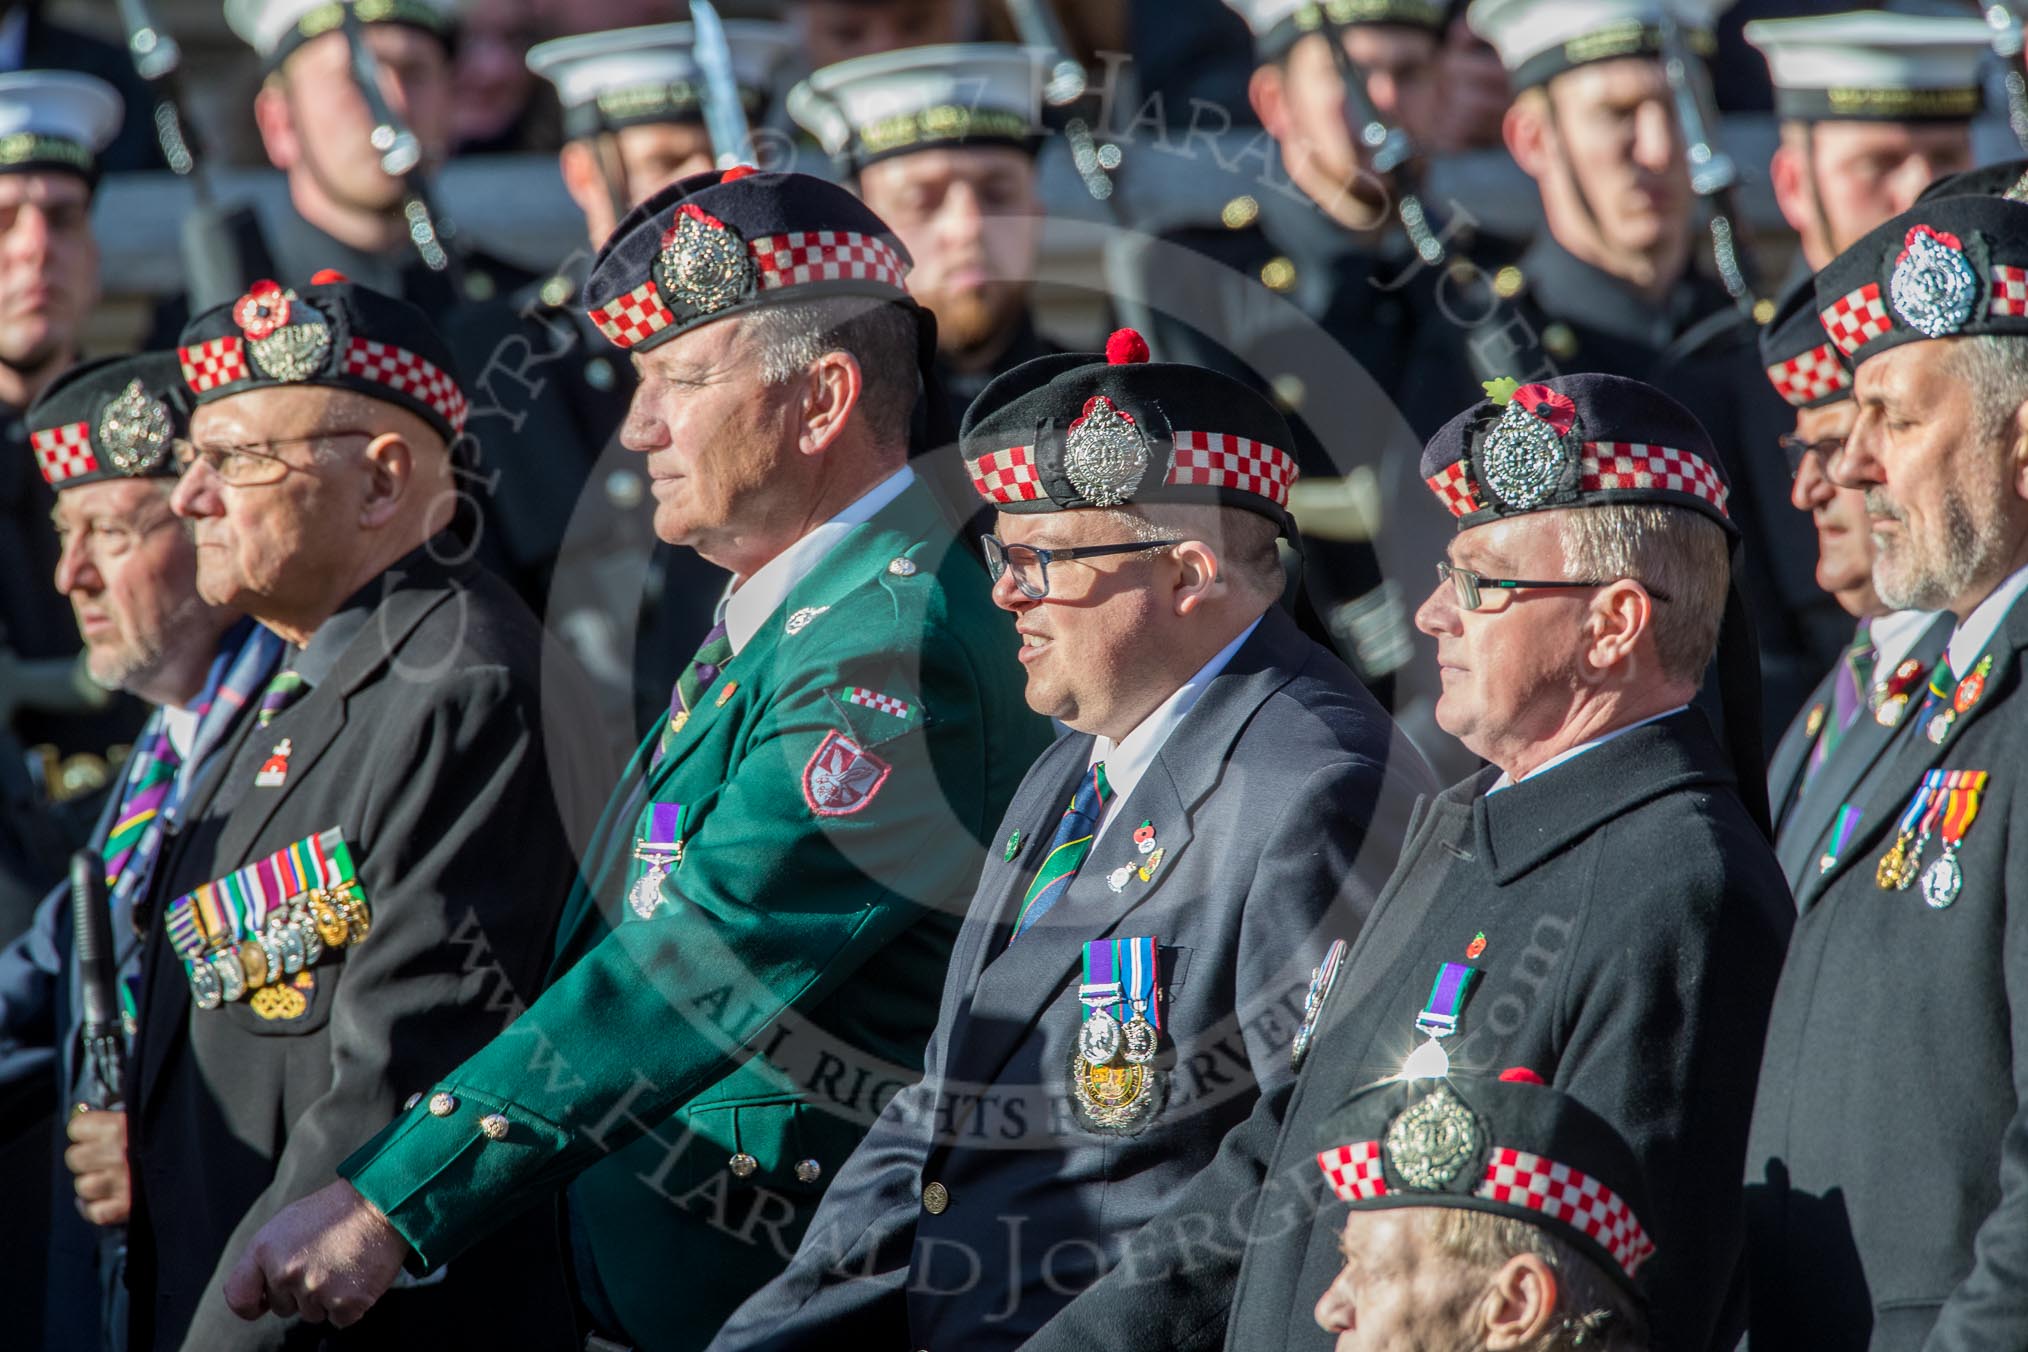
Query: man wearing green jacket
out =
(751, 966)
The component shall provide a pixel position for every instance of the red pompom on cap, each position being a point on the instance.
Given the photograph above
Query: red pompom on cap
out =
(1126, 346)
(737, 172)
(1521, 1075)
(326, 277)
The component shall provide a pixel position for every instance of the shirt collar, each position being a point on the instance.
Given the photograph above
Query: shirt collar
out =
(1128, 759)
(753, 599)
(1975, 630)
(1894, 636)
(1505, 782)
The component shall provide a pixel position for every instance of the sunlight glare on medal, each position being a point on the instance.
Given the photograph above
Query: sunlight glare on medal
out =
(1428, 1062)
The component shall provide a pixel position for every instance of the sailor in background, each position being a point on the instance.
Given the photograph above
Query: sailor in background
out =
(1874, 106)
(941, 143)
(346, 211)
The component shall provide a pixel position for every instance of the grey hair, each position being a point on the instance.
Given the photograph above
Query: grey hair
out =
(1994, 367)
(1593, 1313)
(1243, 541)
(1673, 552)
(879, 335)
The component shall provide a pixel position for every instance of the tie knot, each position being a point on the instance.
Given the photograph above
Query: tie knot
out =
(284, 690)
(1093, 791)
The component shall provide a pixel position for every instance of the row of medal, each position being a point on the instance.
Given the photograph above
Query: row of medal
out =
(1945, 805)
(1114, 1081)
(265, 923)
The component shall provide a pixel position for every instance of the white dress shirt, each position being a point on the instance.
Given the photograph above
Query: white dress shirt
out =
(1503, 782)
(752, 599)
(1976, 630)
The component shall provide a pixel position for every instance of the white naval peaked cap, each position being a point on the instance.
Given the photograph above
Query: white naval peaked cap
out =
(1277, 24)
(275, 28)
(628, 76)
(56, 119)
(1875, 65)
(1540, 39)
(917, 98)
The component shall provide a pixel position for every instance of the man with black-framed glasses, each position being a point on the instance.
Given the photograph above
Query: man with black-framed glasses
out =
(1132, 967)
(1845, 727)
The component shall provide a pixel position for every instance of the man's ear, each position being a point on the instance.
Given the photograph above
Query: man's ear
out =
(1267, 91)
(1200, 575)
(389, 467)
(1621, 615)
(1520, 1305)
(582, 178)
(276, 122)
(2019, 450)
(1525, 129)
(833, 387)
(1790, 177)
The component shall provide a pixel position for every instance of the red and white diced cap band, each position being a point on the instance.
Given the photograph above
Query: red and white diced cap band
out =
(1605, 466)
(1197, 459)
(797, 258)
(1514, 1178)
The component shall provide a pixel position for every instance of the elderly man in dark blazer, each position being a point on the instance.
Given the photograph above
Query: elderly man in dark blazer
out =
(1599, 906)
(366, 886)
(1131, 969)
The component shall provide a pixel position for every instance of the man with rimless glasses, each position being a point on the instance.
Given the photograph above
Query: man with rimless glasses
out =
(1133, 963)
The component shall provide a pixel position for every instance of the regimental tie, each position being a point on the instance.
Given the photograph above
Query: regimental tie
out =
(1848, 696)
(284, 690)
(143, 803)
(694, 684)
(1067, 848)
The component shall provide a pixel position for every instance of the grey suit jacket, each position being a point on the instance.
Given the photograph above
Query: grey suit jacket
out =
(1279, 802)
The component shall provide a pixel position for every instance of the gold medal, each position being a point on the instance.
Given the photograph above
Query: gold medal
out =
(253, 960)
(1888, 874)
(358, 922)
(330, 922)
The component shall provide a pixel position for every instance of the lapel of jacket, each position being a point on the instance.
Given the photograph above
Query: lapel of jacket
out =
(1915, 755)
(750, 679)
(1019, 984)
(1792, 753)
(1801, 846)
(407, 598)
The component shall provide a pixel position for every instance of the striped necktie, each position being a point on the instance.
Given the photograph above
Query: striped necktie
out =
(1067, 850)
(695, 683)
(1854, 681)
(284, 690)
(143, 803)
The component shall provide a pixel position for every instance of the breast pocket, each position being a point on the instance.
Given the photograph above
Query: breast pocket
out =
(291, 1007)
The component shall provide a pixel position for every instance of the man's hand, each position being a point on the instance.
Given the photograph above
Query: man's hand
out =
(97, 1159)
(329, 1256)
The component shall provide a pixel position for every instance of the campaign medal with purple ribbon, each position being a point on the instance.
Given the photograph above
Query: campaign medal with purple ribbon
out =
(660, 849)
(1439, 1020)
(1099, 1036)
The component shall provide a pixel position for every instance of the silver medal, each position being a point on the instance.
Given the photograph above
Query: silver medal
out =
(1098, 1041)
(1140, 1041)
(646, 893)
(231, 979)
(204, 988)
(306, 930)
(1942, 881)
(289, 939)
